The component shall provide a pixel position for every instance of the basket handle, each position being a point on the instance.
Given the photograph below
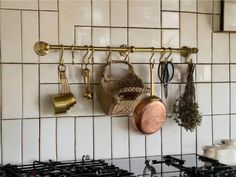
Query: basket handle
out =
(104, 73)
(118, 96)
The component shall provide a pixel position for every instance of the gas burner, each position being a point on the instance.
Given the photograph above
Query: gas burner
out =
(83, 168)
(212, 168)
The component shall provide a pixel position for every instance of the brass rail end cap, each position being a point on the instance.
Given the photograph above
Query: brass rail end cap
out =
(41, 48)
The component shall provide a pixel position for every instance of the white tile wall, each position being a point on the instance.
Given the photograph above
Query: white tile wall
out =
(28, 81)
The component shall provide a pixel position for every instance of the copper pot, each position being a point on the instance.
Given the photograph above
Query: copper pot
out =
(150, 114)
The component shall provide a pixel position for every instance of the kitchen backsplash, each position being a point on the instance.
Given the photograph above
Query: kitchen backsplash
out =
(29, 129)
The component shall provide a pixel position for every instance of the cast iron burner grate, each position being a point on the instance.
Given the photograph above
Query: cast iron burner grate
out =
(212, 168)
(83, 168)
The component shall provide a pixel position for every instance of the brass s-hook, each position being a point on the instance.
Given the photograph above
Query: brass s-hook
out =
(166, 59)
(85, 55)
(91, 58)
(73, 54)
(61, 61)
(150, 60)
(127, 56)
(162, 54)
(109, 55)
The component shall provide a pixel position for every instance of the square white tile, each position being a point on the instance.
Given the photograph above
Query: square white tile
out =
(170, 38)
(217, 6)
(220, 128)
(232, 72)
(220, 48)
(48, 4)
(11, 91)
(49, 73)
(146, 38)
(30, 35)
(188, 141)
(30, 134)
(216, 23)
(49, 19)
(65, 138)
(170, 20)
(188, 31)
(10, 35)
(147, 15)
(205, 6)
(46, 105)
(188, 5)
(48, 139)
(232, 48)
(205, 130)
(173, 94)
(170, 5)
(118, 37)
(98, 110)
(101, 13)
(220, 98)
(101, 37)
(203, 73)
(118, 13)
(171, 137)
(204, 38)
(83, 107)
(102, 137)
(30, 91)
(84, 137)
(152, 141)
(203, 96)
(220, 73)
(233, 127)
(23, 4)
(233, 97)
(11, 141)
(120, 137)
(136, 142)
(72, 13)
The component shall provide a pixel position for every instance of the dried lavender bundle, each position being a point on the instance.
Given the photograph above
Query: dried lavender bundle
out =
(186, 112)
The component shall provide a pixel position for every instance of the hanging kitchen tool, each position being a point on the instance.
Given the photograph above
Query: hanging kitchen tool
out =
(65, 99)
(150, 114)
(166, 72)
(88, 94)
(186, 112)
(119, 96)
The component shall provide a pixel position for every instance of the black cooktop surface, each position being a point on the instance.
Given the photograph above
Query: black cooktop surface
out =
(190, 165)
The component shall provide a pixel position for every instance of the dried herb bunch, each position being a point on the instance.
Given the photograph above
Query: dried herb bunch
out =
(186, 112)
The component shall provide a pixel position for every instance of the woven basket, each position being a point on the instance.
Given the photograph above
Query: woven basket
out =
(119, 96)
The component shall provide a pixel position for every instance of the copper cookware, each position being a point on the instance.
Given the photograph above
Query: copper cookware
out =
(150, 114)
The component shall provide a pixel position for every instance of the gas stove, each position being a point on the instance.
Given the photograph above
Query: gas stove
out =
(190, 165)
(83, 168)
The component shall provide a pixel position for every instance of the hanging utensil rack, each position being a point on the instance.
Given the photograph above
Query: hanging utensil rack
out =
(42, 48)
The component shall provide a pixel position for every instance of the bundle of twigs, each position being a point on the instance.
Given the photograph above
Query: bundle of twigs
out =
(186, 112)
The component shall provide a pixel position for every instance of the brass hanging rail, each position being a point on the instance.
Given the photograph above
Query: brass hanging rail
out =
(42, 48)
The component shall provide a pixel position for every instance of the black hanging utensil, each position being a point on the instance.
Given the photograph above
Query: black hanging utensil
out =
(165, 74)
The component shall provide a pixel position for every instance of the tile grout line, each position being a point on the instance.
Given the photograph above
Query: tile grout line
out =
(75, 145)
(230, 86)
(127, 42)
(1, 102)
(39, 89)
(22, 88)
(181, 129)
(197, 45)
(93, 103)
(111, 133)
(212, 101)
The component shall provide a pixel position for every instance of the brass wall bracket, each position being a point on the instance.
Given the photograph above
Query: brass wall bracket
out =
(42, 48)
